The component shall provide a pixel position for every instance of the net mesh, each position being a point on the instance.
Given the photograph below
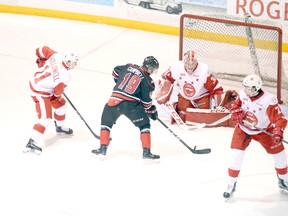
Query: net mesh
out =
(234, 47)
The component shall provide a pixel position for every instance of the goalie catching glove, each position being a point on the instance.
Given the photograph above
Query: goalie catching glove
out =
(152, 112)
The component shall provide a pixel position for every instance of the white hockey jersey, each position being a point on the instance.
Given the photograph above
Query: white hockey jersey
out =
(51, 79)
(200, 83)
(261, 112)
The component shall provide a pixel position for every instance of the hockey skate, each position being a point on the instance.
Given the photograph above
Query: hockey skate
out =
(283, 186)
(63, 131)
(31, 147)
(101, 151)
(229, 191)
(150, 158)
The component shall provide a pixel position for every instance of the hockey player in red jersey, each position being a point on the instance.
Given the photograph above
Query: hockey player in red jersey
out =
(131, 97)
(197, 87)
(46, 87)
(256, 107)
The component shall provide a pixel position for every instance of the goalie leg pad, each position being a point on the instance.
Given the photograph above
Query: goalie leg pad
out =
(209, 118)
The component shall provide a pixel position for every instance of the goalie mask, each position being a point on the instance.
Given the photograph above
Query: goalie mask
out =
(252, 84)
(190, 61)
(151, 64)
(70, 60)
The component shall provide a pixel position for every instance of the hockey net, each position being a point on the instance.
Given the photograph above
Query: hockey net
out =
(234, 47)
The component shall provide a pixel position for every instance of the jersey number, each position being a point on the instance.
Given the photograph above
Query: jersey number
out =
(130, 83)
(43, 76)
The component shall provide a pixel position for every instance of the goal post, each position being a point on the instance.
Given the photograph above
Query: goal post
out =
(234, 47)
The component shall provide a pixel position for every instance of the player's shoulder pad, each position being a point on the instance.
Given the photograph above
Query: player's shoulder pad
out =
(270, 99)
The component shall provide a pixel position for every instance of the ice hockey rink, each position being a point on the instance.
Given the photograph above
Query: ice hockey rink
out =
(68, 180)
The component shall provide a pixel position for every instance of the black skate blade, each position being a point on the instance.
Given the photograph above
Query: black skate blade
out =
(283, 191)
(149, 161)
(32, 151)
(227, 200)
(100, 157)
(64, 134)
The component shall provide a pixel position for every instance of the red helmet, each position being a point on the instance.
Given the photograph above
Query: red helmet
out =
(190, 61)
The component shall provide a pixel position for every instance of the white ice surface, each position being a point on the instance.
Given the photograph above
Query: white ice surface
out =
(68, 180)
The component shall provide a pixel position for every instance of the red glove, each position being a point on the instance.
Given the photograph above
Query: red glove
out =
(277, 134)
(237, 114)
(40, 62)
(57, 102)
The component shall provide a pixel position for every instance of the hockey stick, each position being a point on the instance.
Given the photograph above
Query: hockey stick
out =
(180, 122)
(193, 150)
(262, 130)
(95, 135)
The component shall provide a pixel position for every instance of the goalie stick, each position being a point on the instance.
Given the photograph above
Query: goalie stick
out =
(193, 150)
(262, 130)
(180, 122)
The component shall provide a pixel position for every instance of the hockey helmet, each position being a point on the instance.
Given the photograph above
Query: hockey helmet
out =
(70, 60)
(190, 61)
(252, 83)
(151, 64)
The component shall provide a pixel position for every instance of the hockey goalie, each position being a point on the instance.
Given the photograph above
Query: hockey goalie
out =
(200, 97)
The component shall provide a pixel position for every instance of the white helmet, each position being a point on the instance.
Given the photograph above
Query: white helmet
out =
(252, 84)
(190, 61)
(70, 60)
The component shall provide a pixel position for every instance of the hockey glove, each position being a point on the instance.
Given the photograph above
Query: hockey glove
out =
(57, 102)
(40, 62)
(237, 114)
(152, 112)
(277, 134)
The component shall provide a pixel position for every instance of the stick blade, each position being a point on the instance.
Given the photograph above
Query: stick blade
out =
(200, 151)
